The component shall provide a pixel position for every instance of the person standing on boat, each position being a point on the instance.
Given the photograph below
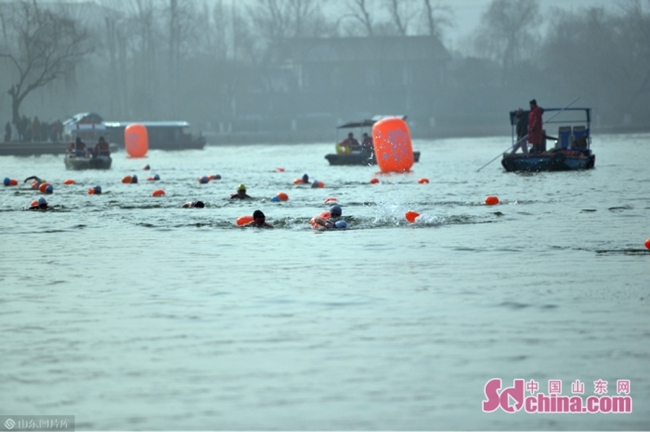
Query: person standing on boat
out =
(522, 132)
(101, 148)
(366, 143)
(535, 131)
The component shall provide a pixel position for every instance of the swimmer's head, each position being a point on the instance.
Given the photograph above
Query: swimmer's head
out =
(42, 202)
(199, 204)
(258, 216)
(305, 178)
(336, 211)
(241, 188)
(97, 189)
(156, 177)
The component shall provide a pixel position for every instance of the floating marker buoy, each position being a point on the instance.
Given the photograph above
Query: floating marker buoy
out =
(647, 243)
(42, 188)
(297, 181)
(283, 196)
(150, 179)
(158, 193)
(275, 199)
(68, 182)
(491, 200)
(392, 143)
(331, 200)
(374, 180)
(279, 169)
(203, 179)
(411, 215)
(91, 191)
(319, 184)
(243, 220)
(423, 180)
(34, 203)
(126, 179)
(136, 140)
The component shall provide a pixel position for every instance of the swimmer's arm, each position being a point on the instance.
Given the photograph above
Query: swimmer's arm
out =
(32, 178)
(323, 222)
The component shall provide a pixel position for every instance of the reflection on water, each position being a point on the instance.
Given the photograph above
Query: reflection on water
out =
(133, 313)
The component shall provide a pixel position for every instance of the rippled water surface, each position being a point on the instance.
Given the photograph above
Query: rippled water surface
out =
(130, 312)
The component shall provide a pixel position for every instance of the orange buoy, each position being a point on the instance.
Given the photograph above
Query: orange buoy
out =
(34, 203)
(68, 182)
(158, 192)
(91, 191)
(43, 187)
(392, 143)
(411, 216)
(126, 179)
(647, 243)
(423, 180)
(136, 140)
(491, 200)
(243, 220)
(283, 196)
(321, 184)
(323, 215)
(279, 169)
(330, 200)
(374, 180)
(13, 182)
(297, 181)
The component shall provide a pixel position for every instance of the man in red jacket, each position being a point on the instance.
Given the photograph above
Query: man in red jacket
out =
(535, 131)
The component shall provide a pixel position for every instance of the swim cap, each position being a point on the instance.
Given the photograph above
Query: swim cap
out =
(258, 213)
(199, 204)
(204, 179)
(341, 224)
(336, 208)
(42, 201)
(156, 177)
(241, 187)
(7, 180)
(49, 189)
(218, 177)
(97, 189)
(134, 178)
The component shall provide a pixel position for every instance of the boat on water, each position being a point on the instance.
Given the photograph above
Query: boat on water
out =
(364, 155)
(572, 146)
(74, 162)
(162, 135)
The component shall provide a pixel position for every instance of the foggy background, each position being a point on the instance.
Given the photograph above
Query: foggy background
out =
(291, 70)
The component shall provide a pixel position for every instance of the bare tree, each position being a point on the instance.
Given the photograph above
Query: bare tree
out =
(401, 13)
(41, 45)
(276, 19)
(436, 17)
(507, 29)
(358, 9)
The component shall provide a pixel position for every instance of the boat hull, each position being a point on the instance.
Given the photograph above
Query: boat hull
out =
(83, 163)
(550, 161)
(359, 158)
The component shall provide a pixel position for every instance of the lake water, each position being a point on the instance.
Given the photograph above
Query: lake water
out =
(130, 312)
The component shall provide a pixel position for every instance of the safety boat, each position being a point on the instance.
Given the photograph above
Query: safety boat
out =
(73, 162)
(572, 146)
(364, 156)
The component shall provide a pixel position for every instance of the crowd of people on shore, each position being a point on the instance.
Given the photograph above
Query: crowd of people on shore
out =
(33, 130)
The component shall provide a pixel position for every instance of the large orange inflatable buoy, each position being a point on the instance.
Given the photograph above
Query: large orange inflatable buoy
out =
(392, 143)
(243, 220)
(136, 140)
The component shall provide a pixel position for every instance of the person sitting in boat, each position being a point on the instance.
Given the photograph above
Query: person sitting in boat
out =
(522, 132)
(241, 193)
(352, 143)
(366, 143)
(535, 131)
(41, 205)
(101, 148)
(194, 204)
(259, 220)
(78, 148)
(335, 213)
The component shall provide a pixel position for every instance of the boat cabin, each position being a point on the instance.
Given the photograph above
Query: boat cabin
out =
(166, 135)
(87, 126)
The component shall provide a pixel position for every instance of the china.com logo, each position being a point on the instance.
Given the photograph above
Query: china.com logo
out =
(513, 399)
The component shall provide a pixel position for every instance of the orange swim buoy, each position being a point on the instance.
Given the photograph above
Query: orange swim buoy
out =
(283, 196)
(330, 200)
(279, 169)
(647, 243)
(243, 220)
(13, 182)
(491, 200)
(320, 184)
(34, 203)
(423, 180)
(43, 187)
(91, 191)
(68, 182)
(297, 181)
(158, 193)
(374, 180)
(411, 216)
(323, 215)
(126, 179)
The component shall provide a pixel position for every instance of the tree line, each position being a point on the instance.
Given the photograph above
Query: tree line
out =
(192, 60)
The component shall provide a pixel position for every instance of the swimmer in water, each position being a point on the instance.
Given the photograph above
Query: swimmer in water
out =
(36, 182)
(41, 205)
(241, 193)
(259, 220)
(332, 221)
(194, 204)
(305, 179)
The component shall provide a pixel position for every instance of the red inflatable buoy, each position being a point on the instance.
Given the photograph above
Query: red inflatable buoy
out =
(411, 216)
(158, 193)
(423, 180)
(243, 220)
(491, 200)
